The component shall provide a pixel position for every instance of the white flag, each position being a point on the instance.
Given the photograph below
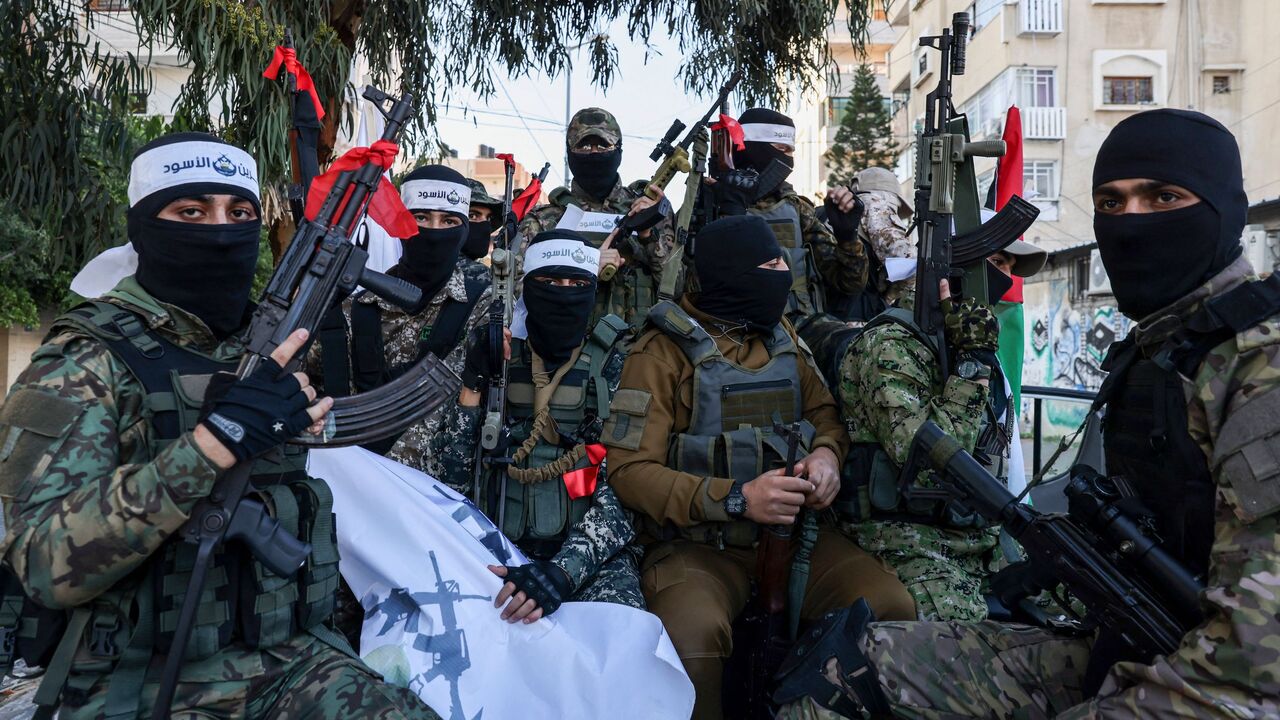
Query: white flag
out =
(415, 552)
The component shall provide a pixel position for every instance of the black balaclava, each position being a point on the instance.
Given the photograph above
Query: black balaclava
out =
(479, 235)
(431, 256)
(1155, 259)
(759, 153)
(731, 285)
(596, 173)
(206, 270)
(997, 283)
(558, 316)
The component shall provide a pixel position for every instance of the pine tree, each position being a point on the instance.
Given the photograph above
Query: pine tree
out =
(865, 138)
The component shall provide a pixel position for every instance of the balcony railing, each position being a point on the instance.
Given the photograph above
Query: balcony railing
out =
(1044, 123)
(1040, 17)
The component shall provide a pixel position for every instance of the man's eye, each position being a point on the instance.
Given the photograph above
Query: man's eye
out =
(1167, 197)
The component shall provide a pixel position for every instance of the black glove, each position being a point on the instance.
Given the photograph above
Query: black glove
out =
(844, 224)
(476, 370)
(543, 582)
(255, 414)
(735, 191)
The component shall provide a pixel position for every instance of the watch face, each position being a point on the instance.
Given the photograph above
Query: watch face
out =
(735, 503)
(968, 369)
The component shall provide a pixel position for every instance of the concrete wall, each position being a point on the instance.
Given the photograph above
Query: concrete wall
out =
(16, 345)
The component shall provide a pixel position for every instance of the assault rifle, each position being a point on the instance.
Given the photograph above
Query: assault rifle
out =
(674, 158)
(502, 263)
(1105, 558)
(320, 267)
(773, 635)
(946, 193)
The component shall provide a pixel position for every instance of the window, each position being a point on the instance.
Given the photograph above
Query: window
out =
(836, 108)
(922, 64)
(1127, 91)
(983, 12)
(1221, 84)
(985, 181)
(1040, 179)
(109, 5)
(1037, 87)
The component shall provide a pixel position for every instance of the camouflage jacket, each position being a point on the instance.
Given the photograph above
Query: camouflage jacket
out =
(889, 386)
(653, 252)
(1229, 666)
(842, 264)
(603, 532)
(473, 269)
(401, 333)
(85, 503)
(886, 231)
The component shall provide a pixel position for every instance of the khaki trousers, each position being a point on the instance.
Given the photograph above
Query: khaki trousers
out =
(698, 590)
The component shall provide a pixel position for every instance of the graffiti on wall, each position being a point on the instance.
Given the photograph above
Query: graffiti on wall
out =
(1067, 342)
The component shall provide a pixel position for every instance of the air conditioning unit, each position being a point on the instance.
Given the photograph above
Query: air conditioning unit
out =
(1258, 249)
(1099, 283)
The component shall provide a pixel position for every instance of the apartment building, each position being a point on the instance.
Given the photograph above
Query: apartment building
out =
(1077, 67)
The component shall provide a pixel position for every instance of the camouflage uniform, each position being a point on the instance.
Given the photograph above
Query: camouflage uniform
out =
(890, 385)
(1227, 667)
(886, 231)
(87, 505)
(634, 289)
(597, 553)
(401, 333)
(473, 270)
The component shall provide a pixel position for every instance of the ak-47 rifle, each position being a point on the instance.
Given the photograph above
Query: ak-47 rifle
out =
(773, 572)
(1105, 558)
(674, 159)
(320, 267)
(946, 193)
(502, 263)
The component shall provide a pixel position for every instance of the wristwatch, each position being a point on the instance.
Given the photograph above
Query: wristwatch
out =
(970, 367)
(735, 503)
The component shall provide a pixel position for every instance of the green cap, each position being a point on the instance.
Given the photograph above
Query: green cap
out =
(481, 196)
(594, 122)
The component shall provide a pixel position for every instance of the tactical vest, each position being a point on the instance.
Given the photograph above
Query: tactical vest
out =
(730, 431)
(538, 515)
(242, 601)
(806, 298)
(877, 488)
(631, 292)
(1149, 449)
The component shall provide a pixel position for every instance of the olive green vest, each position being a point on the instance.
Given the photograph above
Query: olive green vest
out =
(242, 601)
(806, 297)
(537, 516)
(730, 431)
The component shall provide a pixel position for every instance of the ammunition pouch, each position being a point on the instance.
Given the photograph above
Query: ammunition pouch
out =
(827, 664)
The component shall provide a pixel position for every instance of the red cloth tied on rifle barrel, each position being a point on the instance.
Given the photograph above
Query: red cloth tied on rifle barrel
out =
(524, 202)
(288, 57)
(385, 207)
(581, 483)
(731, 126)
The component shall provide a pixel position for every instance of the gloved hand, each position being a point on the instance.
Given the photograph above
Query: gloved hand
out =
(543, 583)
(735, 191)
(844, 224)
(257, 413)
(476, 370)
(970, 326)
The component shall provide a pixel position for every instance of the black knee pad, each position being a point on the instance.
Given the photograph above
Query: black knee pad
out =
(838, 635)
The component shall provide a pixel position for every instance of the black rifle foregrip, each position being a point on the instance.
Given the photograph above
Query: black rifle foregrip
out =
(266, 538)
(398, 292)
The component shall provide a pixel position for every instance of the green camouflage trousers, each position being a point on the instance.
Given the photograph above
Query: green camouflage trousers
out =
(950, 670)
(320, 683)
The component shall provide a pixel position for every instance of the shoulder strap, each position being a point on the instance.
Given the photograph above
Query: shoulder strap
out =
(1220, 319)
(368, 363)
(335, 357)
(697, 345)
(452, 321)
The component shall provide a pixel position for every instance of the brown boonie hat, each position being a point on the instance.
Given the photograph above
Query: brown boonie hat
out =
(594, 122)
(481, 196)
